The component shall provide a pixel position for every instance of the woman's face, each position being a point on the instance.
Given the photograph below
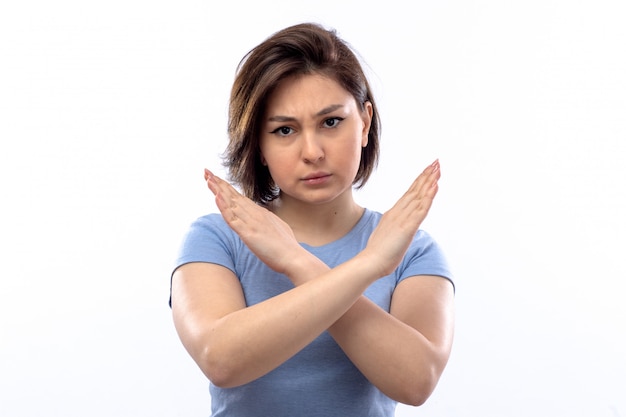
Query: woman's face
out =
(311, 138)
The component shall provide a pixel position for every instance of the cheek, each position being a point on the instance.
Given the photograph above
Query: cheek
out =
(352, 156)
(267, 154)
(354, 152)
(278, 162)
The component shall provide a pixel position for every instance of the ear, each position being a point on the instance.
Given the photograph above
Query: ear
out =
(366, 115)
(263, 161)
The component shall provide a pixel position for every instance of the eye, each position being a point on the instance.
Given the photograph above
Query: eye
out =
(332, 122)
(282, 131)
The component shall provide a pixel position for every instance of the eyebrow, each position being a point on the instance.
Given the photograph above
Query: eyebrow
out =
(325, 110)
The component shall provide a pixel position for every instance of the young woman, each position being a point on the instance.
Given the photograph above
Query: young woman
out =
(294, 300)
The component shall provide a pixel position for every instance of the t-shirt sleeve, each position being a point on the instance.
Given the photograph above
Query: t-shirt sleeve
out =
(424, 257)
(209, 239)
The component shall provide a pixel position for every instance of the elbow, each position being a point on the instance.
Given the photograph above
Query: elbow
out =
(218, 377)
(217, 369)
(420, 393)
(417, 398)
(424, 380)
(420, 388)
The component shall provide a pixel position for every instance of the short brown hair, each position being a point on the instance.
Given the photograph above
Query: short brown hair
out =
(305, 48)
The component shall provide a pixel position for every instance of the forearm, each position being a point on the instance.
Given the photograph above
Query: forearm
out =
(392, 355)
(240, 344)
(248, 343)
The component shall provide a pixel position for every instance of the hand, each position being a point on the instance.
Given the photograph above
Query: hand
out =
(265, 234)
(393, 235)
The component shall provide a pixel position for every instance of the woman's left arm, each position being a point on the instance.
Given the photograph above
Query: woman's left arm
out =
(402, 352)
(405, 351)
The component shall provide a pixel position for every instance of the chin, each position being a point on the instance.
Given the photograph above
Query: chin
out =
(321, 198)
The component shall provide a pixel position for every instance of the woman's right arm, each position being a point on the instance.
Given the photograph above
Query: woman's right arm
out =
(234, 344)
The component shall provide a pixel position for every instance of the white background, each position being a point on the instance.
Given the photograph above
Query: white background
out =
(109, 111)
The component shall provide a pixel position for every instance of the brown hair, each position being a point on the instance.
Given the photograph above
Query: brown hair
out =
(301, 49)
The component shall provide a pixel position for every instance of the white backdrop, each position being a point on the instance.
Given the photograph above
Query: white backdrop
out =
(109, 111)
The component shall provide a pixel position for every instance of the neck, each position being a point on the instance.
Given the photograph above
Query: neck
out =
(318, 224)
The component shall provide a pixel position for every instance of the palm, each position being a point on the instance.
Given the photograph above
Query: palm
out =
(393, 235)
(265, 234)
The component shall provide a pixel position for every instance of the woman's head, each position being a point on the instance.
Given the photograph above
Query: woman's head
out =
(297, 50)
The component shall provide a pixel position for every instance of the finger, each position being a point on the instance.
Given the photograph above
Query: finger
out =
(231, 203)
(431, 185)
(432, 173)
(228, 200)
(210, 180)
(425, 176)
(424, 181)
(431, 177)
(435, 173)
(219, 186)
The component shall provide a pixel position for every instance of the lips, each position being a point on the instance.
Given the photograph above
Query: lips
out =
(316, 175)
(316, 178)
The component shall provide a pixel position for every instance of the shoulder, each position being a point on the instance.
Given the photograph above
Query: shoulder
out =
(208, 238)
(211, 220)
(425, 257)
(212, 224)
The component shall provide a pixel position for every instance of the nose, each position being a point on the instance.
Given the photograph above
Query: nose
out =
(312, 149)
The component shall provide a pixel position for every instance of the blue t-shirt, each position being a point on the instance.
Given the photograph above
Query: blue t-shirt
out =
(319, 380)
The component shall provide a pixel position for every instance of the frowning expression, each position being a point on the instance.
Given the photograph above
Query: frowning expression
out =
(311, 138)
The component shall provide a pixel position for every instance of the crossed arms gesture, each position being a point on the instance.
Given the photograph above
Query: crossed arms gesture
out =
(403, 352)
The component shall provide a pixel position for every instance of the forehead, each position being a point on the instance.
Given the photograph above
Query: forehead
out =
(310, 92)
